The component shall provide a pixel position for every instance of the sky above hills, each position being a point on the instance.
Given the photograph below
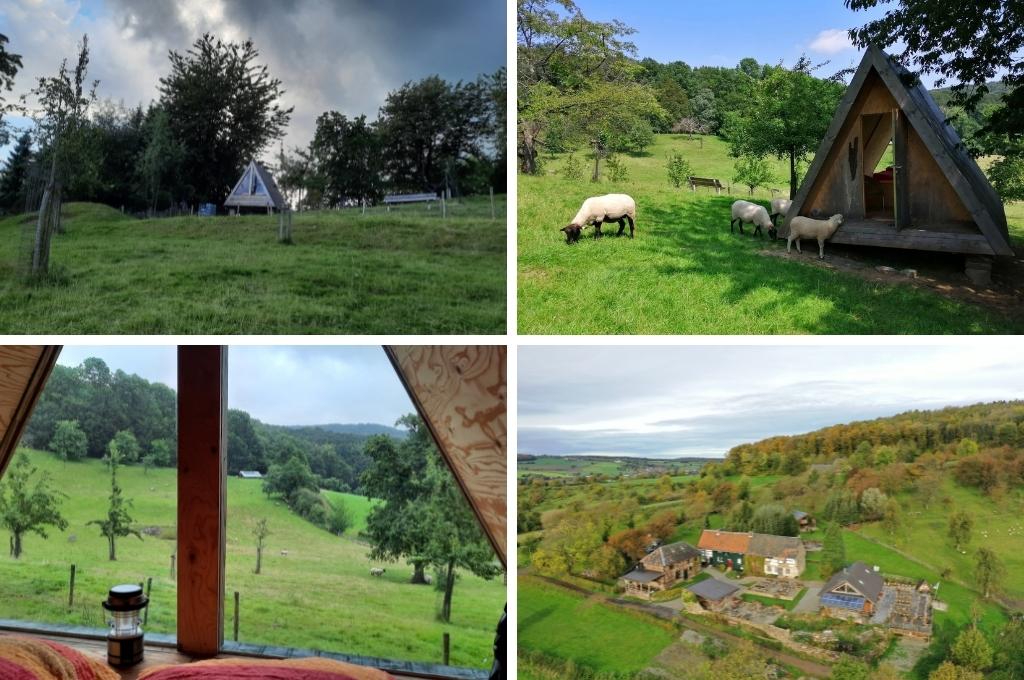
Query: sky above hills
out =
(342, 55)
(665, 402)
(282, 385)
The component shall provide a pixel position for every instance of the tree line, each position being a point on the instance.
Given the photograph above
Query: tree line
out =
(87, 407)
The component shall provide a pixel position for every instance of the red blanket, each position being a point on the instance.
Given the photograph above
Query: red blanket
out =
(266, 669)
(24, 658)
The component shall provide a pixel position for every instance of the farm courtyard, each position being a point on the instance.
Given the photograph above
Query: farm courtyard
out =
(409, 271)
(685, 273)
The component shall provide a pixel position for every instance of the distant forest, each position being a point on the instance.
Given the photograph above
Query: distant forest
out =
(104, 403)
(904, 437)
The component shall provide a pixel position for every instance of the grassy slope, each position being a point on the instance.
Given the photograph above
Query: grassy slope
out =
(551, 620)
(319, 596)
(397, 273)
(685, 273)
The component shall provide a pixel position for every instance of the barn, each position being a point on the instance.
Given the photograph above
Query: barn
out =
(931, 195)
(661, 569)
(256, 189)
(459, 391)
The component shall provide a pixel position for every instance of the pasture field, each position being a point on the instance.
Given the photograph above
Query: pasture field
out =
(404, 272)
(319, 596)
(551, 620)
(686, 274)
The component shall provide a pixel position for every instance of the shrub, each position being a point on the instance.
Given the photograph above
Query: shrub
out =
(667, 595)
(572, 169)
(617, 171)
(678, 169)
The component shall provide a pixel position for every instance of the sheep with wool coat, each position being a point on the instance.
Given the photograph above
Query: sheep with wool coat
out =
(745, 211)
(780, 206)
(599, 209)
(808, 227)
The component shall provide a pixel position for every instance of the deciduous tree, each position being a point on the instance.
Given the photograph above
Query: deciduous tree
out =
(118, 523)
(28, 504)
(833, 551)
(989, 571)
(960, 525)
(69, 441)
(260, 532)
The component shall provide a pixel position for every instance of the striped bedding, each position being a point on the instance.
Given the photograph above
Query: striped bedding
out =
(24, 658)
(265, 669)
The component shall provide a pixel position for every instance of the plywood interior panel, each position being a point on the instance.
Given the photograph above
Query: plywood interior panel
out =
(460, 391)
(23, 373)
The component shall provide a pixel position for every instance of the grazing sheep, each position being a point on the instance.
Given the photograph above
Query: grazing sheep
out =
(377, 571)
(745, 211)
(805, 227)
(284, 553)
(599, 209)
(780, 206)
(428, 579)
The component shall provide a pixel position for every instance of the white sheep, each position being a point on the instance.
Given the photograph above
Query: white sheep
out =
(780, 206)
(807, 227)
(597, 209)
(745, 211)
(377, 571)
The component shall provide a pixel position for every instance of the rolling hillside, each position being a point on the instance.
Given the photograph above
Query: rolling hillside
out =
(320, 595)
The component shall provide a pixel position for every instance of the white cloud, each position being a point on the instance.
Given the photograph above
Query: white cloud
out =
(832, 41)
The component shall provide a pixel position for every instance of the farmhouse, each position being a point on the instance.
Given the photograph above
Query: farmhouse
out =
(932, 197)
(661, 569)
(754, 554)
(256, 189)
(458, 391)
(858, 588)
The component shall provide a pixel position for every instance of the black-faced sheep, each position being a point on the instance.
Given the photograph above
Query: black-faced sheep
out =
(745, 211)
(597, 210)
(377, 571)
(820, 230)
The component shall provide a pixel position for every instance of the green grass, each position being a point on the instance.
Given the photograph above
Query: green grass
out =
(319, 596)
(400, 273)
(686, 274)
(563, 624)
(996, 526)
(358, 508)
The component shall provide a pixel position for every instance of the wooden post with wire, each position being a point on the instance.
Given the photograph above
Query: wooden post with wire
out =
(71, 589)
(447, 647)
(236, 616)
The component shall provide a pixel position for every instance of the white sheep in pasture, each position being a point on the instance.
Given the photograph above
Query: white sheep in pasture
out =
(377, 571)
(745, 211)
(780, 206)
(599, 209)
(807, 227)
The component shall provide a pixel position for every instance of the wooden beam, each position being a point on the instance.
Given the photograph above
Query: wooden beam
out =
(24, 370)
(202, 468)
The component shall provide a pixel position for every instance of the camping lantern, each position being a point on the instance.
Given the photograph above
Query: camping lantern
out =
(124, 640)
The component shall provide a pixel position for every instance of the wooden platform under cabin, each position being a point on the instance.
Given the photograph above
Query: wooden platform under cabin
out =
(161, 653)
(950, 238)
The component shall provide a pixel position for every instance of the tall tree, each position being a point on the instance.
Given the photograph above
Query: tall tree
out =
(117, 523)
(69, 441)
(960, 525)
(14, 176)
(787, 117)
(833, 551)
(346, 159)
(124, 447)
(158, 166)
(989, 571)
(971, 650)
(10, 64)
(774, 519)
(224, 108)
(27, 507)
(62, 135)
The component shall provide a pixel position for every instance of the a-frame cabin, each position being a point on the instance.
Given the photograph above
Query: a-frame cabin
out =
(931, 196)
(256, 188)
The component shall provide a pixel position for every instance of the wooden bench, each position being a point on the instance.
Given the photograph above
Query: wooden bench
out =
(398, 199)
(705, 182)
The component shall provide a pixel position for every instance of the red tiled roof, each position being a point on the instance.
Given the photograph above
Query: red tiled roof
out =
(724, 541)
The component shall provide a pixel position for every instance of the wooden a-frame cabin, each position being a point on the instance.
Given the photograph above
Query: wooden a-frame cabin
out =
(460, 393)
(932, 197)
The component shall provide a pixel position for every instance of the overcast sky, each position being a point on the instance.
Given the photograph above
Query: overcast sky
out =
(664, 402)
(282, 385)
(343, 55)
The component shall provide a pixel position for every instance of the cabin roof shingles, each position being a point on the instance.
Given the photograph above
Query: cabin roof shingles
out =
(766, 545)
(861, 578)
(673, 553)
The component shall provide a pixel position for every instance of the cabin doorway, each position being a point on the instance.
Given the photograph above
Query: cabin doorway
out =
(885, 168)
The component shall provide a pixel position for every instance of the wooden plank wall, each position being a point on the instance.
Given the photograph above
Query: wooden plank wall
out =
(24, 370)
(460, 391)
(202, 470)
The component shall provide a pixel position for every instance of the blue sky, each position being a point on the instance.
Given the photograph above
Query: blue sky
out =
(283, 385)
(666, 402)
(722, 33)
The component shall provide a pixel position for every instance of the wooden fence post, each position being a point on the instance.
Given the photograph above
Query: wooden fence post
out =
(493, 214)
(447, 647)
(236, 616)
(444, 208)
(149, 588)
(71, 589)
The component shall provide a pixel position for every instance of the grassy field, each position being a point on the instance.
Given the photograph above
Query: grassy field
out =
(358, 507)
(551, 620)
(319, 596)
(405, 272)
(686, 274)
